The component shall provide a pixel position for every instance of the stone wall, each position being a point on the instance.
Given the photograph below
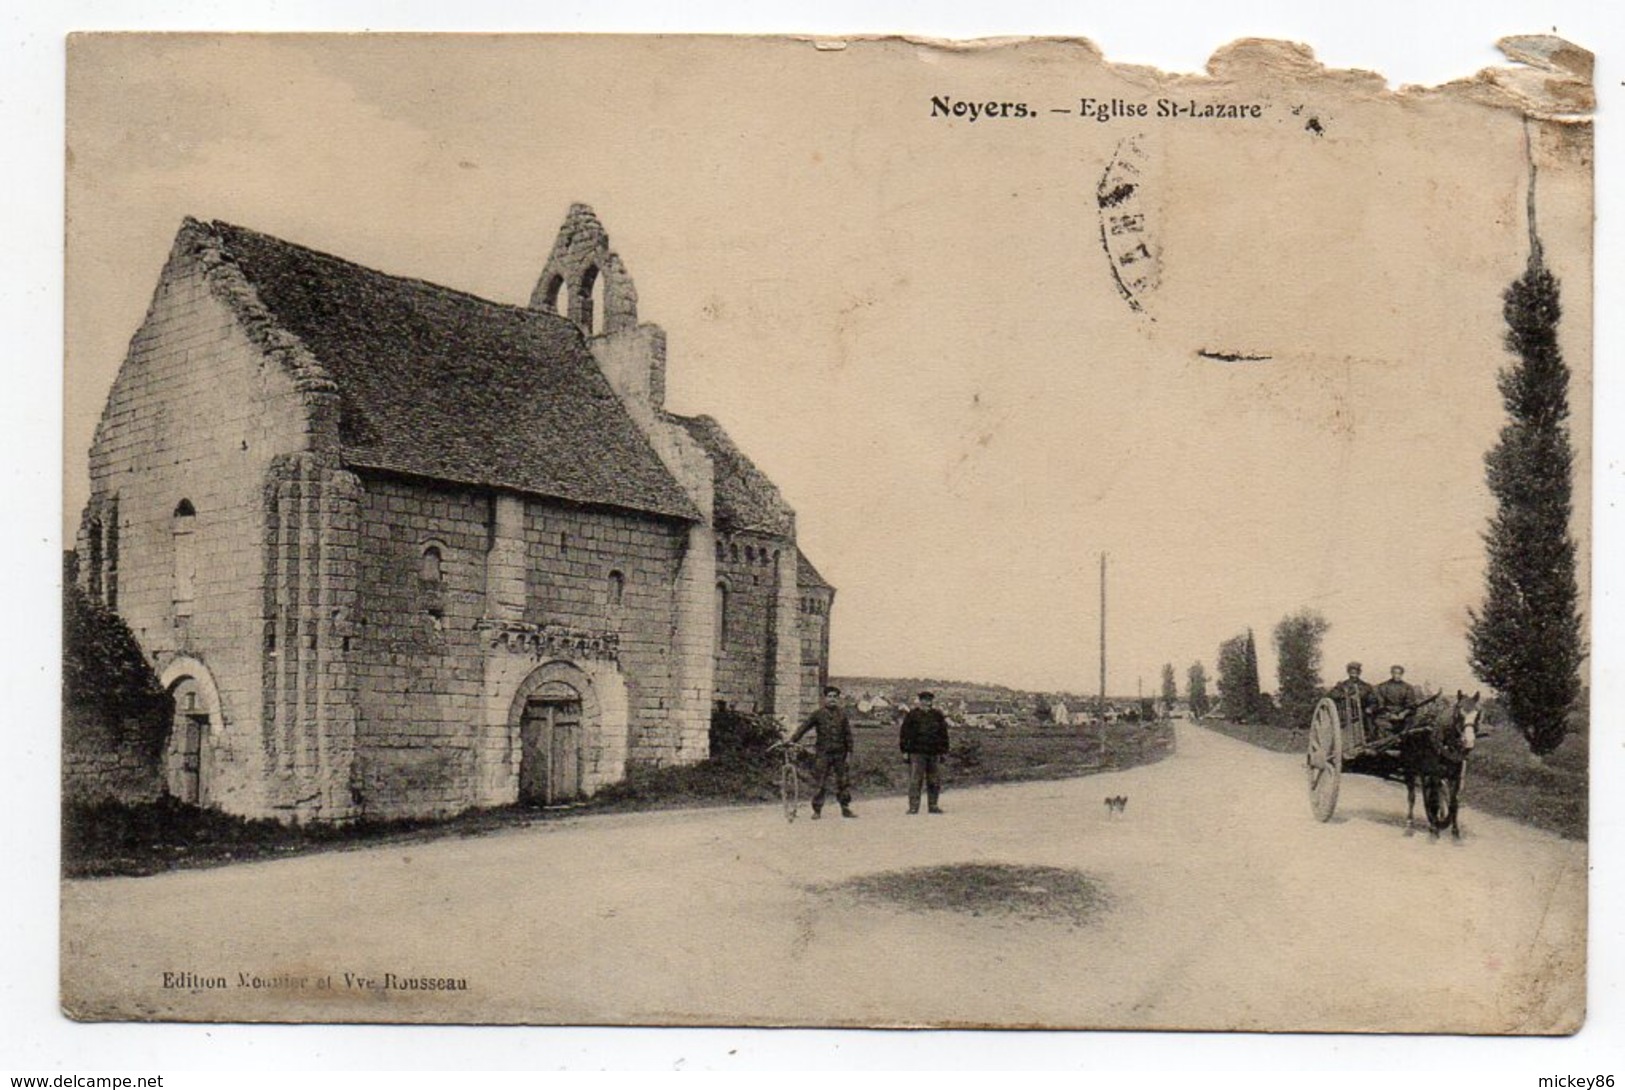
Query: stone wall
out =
(101, 761)
(813, 610)
(437, 667)
(198, 414)
(748, 567)
(311, 609)
(570, 556)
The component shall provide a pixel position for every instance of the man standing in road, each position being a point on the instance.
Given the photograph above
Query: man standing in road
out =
(1396, 700)
(924, 740)
(834, 746)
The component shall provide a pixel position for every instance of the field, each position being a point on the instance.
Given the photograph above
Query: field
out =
(1502, 778)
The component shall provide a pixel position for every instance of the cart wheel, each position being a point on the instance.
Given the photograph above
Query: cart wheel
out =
(1325, 759)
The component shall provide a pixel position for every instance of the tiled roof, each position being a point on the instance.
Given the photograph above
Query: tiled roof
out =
(440, 384)
(744, 497)
(807, 575)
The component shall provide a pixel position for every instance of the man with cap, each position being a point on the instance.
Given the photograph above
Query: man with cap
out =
(833, 745)
(1357, 698)
(1396, 700)
(924, 740)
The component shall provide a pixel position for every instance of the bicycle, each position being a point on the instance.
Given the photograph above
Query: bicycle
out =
(790, 775)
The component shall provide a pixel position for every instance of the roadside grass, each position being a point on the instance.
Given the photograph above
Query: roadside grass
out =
(877, 767)
(1501, 779)
(109, 839)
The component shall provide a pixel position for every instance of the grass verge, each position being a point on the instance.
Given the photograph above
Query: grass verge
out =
(108, 839)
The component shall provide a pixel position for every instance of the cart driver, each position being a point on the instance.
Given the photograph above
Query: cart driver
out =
(1396, 700)
(1353, 692)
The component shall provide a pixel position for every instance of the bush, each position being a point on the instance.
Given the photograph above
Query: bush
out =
(735, 733)
(106, 676)
(966, 754)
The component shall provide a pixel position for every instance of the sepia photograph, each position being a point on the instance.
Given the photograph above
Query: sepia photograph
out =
(824, 532)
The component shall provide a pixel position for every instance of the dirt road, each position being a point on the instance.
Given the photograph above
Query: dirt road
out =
(1229, 907)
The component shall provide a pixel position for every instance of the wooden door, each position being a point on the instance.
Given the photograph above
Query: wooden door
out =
(550, 738)
(565, 781)
(193, 730)
(535, 752)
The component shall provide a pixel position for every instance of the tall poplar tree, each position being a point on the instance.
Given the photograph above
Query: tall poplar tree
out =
(1196, 689)
(1238, 677)
(1525, 640)
(1297, 671)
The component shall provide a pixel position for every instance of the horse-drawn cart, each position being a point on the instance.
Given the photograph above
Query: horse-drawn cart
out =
(1343, 738)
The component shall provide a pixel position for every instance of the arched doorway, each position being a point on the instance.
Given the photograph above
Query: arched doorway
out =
(183, 752)
(551, 743)
(187, 749)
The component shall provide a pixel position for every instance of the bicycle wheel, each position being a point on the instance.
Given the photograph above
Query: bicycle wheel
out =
(790, 791)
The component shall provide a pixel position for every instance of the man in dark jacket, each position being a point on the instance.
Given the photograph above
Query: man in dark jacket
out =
(1357, 698)
(924, 740)
(1397, 701)
(834, 745)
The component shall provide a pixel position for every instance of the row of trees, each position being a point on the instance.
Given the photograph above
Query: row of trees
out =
(1298, 660)
(1195, 688)
(1525, 641)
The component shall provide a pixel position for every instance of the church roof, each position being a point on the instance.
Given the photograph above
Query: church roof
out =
(807, 575)
(745, 499)
(437, 383)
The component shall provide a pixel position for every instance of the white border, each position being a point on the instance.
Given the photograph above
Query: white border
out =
(1406, 41)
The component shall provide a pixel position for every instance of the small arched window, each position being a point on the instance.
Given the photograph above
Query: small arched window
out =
(554, 297)
(589, 297)
(616, 587)
(183, 537)
(432, 580)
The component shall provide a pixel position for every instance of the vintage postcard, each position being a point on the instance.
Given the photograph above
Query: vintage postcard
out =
(824, 532)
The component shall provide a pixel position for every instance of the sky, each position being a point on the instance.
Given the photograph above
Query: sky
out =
(908, 321)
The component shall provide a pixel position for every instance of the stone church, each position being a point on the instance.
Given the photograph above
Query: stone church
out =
(396, 550)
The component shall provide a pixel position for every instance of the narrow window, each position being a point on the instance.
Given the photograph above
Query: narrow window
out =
(93, 572)
(722, 616)
(431, 581)
(554, 296)
(112, 555)
(183, 528)
(588, 297)
(617, 588)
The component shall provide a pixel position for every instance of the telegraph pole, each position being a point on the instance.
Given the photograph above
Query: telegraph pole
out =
(1103, 637)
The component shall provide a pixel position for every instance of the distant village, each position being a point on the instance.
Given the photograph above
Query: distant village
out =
(877, 702)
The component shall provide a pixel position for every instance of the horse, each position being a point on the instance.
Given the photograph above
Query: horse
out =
(1436, 757)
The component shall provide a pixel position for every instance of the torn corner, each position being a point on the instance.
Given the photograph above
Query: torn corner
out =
(1549, 80)
(1551, 54)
